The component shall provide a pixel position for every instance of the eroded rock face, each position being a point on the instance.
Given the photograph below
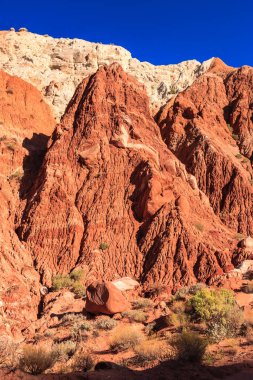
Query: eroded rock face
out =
(201, 127)
(25, 123)
(57, 65)
(108, 195)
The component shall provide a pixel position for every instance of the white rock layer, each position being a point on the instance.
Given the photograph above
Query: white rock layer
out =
(57, 65)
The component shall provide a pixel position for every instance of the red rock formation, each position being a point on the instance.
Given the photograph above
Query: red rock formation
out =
(24, 121)
(195, 127)
(110, 195)
(105, 298)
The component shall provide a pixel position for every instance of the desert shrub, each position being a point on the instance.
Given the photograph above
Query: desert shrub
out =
(77, 274)
(60, 282)
(195, 288)
(189, 346)
(238, 155)
(106, 324)
(9, 353)
(36, 360)
(135, 316)
(229, 127)
(72, 318)
(85, 326)
(83, 361)
(181, 293)
(199, 227)
(143, 303)
(219, 310)
(78, 289)
(16, 174)
(235, 137)
(103, 246)
(177, 320)
(65, 349)
(124, 338)
(79, 327)
(151, 350)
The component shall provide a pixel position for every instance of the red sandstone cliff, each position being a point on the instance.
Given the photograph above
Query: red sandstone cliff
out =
(25, 120)
(209, 128)
(110, 195)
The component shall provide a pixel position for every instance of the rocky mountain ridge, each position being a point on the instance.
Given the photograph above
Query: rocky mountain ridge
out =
(56, 66)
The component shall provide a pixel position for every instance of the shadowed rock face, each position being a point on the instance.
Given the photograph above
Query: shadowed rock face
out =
(110, 195)
(209, 128)
(24, 117)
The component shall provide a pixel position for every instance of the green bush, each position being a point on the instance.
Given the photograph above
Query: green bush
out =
(36, 360)
(189, 346)
(103, 246)
(65, 349)
(77, 274)
(60, 282)
(219, 310)
(78, 288)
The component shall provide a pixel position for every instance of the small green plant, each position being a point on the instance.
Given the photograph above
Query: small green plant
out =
(123, 339)
(78, 289)
(189, 347)
(135, 316)
(238, 155)
(199, 227)
(36, 360)
(61, 281)
(239, 236)
(17, 174)
(106, 324)
(77, 274)
(173, 89)
(229, 127)
(235, 137)
(103, 246)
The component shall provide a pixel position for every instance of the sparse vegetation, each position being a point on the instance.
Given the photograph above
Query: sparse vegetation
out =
(71, 282)
(135, 316)
(189, 346)
(17, 174)
(229, 127)
(238, 155)
(103, 246)
(125, 338)
(143, 303)
(36, 360)
(9, 353)
(152, 350)
(83, 361)
(248, 288)
(235, 136)
(218, 309)
(106, 324)
(199, 227)
(65, 349)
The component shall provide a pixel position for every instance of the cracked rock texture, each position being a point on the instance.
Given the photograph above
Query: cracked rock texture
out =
(57, 65)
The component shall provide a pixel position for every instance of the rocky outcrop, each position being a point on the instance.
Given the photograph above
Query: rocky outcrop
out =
(205, 127)
(25, 123)
(57, 65)
(105, 298)
(110, 195)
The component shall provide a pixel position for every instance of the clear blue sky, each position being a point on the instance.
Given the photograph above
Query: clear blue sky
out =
(157, 31)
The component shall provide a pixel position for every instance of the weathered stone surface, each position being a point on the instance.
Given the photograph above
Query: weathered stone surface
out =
(195, 126)
(107, 195)
(25, 123)
(57, 65)
(105, 298)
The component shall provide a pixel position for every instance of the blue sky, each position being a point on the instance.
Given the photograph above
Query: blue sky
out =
(157, 31)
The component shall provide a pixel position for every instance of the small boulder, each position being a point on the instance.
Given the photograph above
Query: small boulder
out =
(105, 298)
(247, 243)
